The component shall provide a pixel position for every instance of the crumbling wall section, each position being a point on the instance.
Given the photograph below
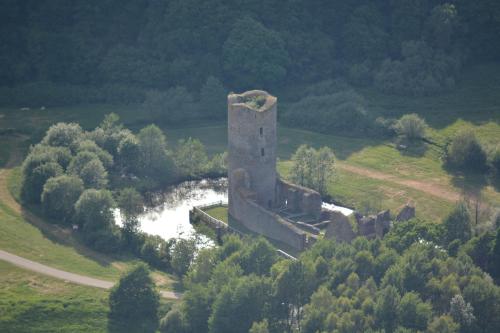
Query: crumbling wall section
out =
(298, 198)
(262, 221)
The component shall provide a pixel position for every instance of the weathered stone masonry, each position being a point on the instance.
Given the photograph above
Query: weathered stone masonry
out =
(256, 195)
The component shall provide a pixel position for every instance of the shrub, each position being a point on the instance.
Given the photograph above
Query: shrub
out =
(59, 196)
(63, 134)
(411, 126)
(134, 301)
(465, 153)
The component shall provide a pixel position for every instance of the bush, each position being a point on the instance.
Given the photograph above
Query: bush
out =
(494, 160)
(33, 183)
(59, 196)
(465, 153)
(342, 111)
(63, 135)
(411, 126)
(134, 301)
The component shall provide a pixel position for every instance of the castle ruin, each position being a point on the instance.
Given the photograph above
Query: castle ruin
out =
(265, 204)
(258, 198)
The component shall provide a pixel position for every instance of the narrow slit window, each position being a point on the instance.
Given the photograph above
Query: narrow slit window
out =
(261, 131)
(262, 152)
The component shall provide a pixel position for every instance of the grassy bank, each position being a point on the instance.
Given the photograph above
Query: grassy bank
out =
(35, 303)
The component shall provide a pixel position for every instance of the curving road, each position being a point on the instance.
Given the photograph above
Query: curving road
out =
(67, 276)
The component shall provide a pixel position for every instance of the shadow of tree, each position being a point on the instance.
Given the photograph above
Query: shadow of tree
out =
(121, 325)
(411, 148)
(63, 236)
(470, 183)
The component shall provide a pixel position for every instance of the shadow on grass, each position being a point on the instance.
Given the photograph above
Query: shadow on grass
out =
(123, 325)
(411, 148)
(62, 236)
(470, 183)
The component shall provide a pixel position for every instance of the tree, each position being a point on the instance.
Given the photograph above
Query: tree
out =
(213, 98)
(59, 196)
(235, 309)
(63, 134)
(152, 147)
(253, 55)
(190, 158)
(465, 152)
(129, 153)
(443, 324)
(94, 175)
(462, 312)
(134, 301)
(302, 159)
(313, 168)
(173, 322)
(33, 183)
(411, 126)
(259, 327)
(94, 213)
(183, 253)
(386, 306)
(90, 146)
(80, 161)
(458, 224)
(131, 206)
(413, 312)
(258, 257)
(175, 104)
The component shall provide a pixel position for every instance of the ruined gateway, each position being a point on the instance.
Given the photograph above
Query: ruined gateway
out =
(258, 198)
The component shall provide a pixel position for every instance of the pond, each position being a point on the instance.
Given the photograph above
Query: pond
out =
(168, 214)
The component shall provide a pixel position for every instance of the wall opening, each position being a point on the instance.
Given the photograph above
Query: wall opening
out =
(261, 131)
(262, 153)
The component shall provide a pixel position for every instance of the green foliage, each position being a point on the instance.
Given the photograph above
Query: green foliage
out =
(33, 183)
(153, 152)
(131, 206)
(253, 55)
(259, 327)
(190, 158)
(312, 168)
(411, 126)
(94, 175)
(94, 214)
(60, 195)
(134, 301)
(63, 135)
(213, 98)
(413, 312)
(443, 324)
(340, 110)
(465, 153)
(173, 322)
(458, 224)
(175, 104)
(183, 253)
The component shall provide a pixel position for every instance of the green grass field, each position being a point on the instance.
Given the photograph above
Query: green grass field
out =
(35, 303)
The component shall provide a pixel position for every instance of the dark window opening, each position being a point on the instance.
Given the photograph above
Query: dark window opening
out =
(261, 131)
(261, 151)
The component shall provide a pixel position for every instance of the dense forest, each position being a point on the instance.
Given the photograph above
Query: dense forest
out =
(57, 52)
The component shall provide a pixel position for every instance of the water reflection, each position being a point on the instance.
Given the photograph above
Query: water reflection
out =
(167, 214)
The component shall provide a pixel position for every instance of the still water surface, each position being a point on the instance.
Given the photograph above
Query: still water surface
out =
(168, 216)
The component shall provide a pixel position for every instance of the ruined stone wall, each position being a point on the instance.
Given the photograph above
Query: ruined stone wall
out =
(298, 198)
(262, 221)
(252, 144)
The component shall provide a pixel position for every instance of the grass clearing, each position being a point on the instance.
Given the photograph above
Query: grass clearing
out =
(36, 303)
(220, 213)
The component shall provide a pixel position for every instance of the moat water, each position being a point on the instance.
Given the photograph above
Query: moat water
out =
(167, 214)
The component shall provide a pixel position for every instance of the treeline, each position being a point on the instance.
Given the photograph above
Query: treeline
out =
(410, 47)
(422, 277)
(78, 178)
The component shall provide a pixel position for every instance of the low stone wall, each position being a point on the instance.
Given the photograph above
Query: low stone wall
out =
(262, 221)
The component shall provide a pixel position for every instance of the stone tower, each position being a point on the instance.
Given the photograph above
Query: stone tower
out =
(252, 146)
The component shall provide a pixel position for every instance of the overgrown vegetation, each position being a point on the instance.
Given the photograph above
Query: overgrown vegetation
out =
(79, 176)
(404, 283)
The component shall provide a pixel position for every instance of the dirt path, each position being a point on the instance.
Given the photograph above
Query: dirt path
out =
(429, 188)
(61, 234)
